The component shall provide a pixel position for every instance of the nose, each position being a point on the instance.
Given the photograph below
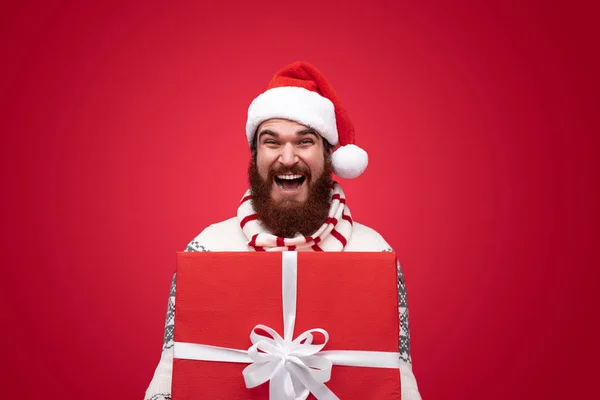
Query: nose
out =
(288, 155)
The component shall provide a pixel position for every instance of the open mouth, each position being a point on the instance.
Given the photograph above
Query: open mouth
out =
(289, 182)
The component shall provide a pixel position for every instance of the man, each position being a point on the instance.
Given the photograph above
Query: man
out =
(293, 203)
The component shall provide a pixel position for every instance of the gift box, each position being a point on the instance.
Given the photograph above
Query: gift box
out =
(246, 318)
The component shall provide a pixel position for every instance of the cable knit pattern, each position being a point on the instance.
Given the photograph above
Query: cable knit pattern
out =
(227, 236)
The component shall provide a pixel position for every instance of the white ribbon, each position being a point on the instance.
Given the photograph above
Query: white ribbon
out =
(296, 367)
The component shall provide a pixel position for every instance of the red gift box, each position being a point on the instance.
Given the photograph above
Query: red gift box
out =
(221, 297)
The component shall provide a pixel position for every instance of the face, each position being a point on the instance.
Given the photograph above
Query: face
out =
(290, 178)
(290, 157)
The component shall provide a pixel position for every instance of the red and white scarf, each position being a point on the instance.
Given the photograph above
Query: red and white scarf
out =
(333, 235)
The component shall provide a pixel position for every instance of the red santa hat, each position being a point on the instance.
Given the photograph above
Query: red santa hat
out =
(300, 93)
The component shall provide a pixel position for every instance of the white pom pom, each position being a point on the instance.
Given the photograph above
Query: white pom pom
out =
(349, 161)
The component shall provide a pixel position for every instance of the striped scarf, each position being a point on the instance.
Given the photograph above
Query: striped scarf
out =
(333, 235)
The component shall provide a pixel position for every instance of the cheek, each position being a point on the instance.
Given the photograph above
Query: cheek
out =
(263, 165)
(316, 163)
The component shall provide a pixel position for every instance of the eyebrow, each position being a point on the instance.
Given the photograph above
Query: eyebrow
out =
(307, 131)
(267, 132)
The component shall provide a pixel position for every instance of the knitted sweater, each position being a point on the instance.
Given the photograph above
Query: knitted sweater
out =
(228, 236)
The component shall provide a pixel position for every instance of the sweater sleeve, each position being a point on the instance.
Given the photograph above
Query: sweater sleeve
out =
(410, 389)
(404, 339)
(160, 385)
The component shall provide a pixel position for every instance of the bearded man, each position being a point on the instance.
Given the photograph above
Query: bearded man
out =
(293, 204)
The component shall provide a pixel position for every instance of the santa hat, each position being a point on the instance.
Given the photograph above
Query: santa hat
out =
(300, 93)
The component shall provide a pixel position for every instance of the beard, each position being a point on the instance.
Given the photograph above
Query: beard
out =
(285, 218)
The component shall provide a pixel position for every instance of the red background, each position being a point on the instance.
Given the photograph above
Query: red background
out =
(123, 137)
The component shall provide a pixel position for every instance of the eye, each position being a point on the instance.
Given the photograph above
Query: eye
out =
(270, 142)
(306, 141)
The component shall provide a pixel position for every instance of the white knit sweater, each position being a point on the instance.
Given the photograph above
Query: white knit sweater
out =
(227, 236)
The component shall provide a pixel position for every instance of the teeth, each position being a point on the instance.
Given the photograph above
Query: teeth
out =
(289, 176)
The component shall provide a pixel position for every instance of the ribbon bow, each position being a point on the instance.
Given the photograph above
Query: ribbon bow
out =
(292, 368)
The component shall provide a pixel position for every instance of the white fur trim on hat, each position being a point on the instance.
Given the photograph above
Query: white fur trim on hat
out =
(349, 161)
(296, 104)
